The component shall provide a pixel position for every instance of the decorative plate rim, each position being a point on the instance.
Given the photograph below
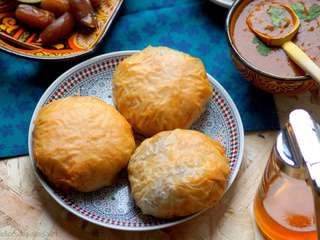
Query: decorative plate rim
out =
(223, 3)
(70, 56)
(51, 192)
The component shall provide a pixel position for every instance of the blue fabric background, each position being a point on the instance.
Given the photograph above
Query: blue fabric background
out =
(193, 26)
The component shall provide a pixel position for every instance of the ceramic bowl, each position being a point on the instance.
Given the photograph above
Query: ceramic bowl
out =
(22, 41)
(113, 206)
(223, 3)
(258, 77)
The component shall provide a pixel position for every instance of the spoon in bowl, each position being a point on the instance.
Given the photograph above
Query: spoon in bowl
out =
(276, 24)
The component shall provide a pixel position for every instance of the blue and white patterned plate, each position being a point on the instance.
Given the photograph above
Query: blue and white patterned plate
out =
(113, 206)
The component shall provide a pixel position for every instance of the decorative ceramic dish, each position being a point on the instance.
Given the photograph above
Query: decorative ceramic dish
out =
(24, 42)
(223, 3)
(113, 206)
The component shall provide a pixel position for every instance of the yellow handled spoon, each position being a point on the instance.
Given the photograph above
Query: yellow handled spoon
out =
(276, 24)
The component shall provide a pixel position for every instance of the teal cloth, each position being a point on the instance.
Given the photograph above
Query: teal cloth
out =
(193, 26)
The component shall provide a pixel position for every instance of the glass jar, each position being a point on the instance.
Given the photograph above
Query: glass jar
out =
(284, 206)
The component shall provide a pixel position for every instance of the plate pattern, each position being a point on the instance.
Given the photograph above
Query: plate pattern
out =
(113, 206)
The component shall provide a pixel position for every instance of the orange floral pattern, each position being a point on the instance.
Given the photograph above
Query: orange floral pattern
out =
(273, 85)
(77, 44)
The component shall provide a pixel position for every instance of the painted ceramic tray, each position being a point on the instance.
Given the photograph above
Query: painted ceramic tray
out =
(113, 206)
(22, 41)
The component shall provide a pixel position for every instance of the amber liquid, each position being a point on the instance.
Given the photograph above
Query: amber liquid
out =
(287, 210)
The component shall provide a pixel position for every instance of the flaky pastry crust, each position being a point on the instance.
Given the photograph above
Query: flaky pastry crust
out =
(81, 143)
(160, 89)
(178, 173)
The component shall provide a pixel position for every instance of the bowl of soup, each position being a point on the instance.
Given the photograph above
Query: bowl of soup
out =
(269, 68)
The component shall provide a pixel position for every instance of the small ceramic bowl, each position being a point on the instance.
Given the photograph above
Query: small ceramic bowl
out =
(22, 41)
(223, 3)
(264, 80)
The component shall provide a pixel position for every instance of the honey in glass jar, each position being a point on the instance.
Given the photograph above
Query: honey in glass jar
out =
(286, 205)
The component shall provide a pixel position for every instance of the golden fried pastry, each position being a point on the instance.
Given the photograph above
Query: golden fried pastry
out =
(81, 143)
(160, 89)
(177, 173)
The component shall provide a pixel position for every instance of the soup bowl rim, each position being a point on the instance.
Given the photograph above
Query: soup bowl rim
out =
(247, 63)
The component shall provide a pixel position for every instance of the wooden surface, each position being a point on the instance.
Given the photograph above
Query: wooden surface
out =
(28, 212)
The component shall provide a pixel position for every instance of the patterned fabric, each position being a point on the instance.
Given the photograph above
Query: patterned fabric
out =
(193, 26)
